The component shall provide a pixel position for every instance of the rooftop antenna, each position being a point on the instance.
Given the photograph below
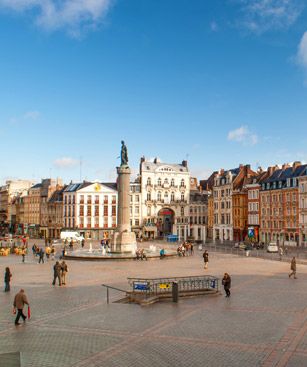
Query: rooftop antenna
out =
(80, 168)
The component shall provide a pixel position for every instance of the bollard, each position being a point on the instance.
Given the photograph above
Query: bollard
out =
(175, 292)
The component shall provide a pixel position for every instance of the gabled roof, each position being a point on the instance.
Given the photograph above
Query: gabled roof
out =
(73, 187)
(37, 186)
(111, 185)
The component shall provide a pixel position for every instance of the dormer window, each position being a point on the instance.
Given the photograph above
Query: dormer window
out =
(288, 182)
(294, 182)
(274, 185)
(268, 186)
(280, 184)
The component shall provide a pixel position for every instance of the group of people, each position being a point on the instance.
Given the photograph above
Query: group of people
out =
(40, 253)
(140, 254)
(185, 249)
(59, 272)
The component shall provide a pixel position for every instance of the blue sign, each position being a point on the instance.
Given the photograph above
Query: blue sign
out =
(212, 283)
(140, 286)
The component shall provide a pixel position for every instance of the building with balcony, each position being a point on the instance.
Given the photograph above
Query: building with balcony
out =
(90, 208)
(279, 200)
(165, 196)
(303, 209)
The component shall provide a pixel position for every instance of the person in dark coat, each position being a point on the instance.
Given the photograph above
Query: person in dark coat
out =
(41, 256)
(19, 301)
(7, 279)
(227, 284)
(293, 268)
(57, 273)
(206, 259)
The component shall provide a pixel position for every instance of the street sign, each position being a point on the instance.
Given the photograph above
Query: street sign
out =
(164, 285)
(140, 286)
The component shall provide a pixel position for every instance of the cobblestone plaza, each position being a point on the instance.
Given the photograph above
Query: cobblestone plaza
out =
(264, 323)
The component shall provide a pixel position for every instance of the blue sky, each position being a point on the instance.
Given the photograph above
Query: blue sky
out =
(221, 82)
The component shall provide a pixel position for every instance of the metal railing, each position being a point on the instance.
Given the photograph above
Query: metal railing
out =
(149, 287)
(113, 288)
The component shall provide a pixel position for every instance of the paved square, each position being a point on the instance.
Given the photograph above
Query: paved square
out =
(264, 323)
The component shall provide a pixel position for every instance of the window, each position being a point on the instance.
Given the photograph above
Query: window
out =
(148, 181)
(159, 181)
(113, 199)
(172, 182)
(182, 211)
(137, 210)
(89, 199)
(159, 196)
(113, 210)
(172, 196)
(182, 197)
(137, 222)
(182, 183)
(148, 196)
(137, 198)
(166, 181)
(106, 199)
(105, 211)
(96, 199)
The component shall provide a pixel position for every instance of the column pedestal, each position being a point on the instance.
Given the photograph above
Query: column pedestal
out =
(123, 240)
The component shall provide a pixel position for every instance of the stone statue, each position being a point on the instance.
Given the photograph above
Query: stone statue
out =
(124, 155)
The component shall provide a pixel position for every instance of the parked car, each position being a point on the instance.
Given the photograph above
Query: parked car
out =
(272, 247)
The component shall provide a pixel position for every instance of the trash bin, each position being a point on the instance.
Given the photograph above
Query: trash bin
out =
(175, 292)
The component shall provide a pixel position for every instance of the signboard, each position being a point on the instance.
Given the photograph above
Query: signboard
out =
(140, 286)
(212, 283)
(164, 286)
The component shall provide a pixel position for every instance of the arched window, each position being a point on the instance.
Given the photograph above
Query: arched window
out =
(172, 182)
(159, 196)
(182, 211)
(149, 181)
(148, 196)
(182, 183)
(172, 196)
(182, 197)
(166, 181)
(159, 181)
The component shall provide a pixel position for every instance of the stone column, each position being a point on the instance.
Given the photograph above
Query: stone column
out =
(124, 240)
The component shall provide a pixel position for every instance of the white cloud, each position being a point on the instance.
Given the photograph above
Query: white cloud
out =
(243, 135)
(302, 51)
(66, 162)
(28, 116)
(263, 15)
(51, 15)
(31, 115)
(214, 27)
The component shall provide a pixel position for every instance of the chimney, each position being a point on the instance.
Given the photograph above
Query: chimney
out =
(285, 166)
(296, 164)
(271, 170)
(241, 166)
(156, 160)
(185, 164)
(222, 171)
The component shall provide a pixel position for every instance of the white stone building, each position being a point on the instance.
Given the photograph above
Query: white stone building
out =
(90, 208)
(165, 195)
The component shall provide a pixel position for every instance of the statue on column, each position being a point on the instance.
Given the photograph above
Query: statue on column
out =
(124, 155)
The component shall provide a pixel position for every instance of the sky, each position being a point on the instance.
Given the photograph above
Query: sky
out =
(217, 82)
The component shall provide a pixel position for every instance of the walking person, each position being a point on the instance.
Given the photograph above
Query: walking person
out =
(7, 279)
(293, 268)
(64, 270)
(226, 281)
(57, 273)
(206, 259)
(23, 253)
(41, 256)
(20, 301)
